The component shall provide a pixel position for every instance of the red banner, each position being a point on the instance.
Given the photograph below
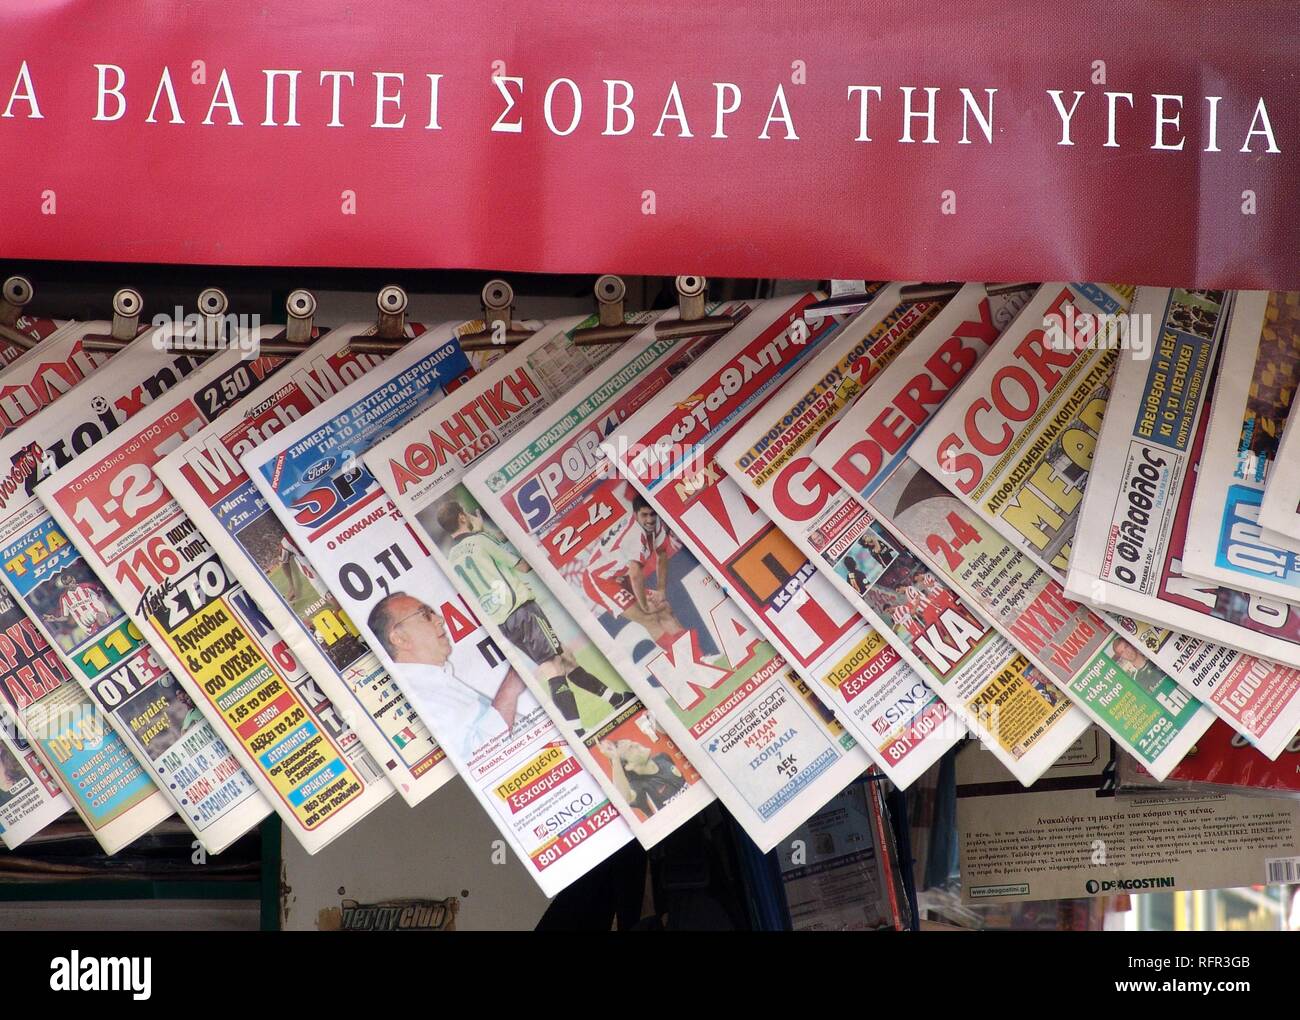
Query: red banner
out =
(1136, 142)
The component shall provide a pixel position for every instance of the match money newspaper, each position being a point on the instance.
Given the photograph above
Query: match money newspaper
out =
(983, 680)
(1133, 523)
(669, 451)
(495, 733)
(910, 723)
(97, 642)
(422, 466)
(1225, 542)
(204, 628)
(688, 650)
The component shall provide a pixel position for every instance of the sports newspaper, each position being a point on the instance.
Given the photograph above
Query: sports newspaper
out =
(204, 628)
(1105, 675)
(669, 450)
(52, 716)
(984, 681)
(1279, 510)
(205, 476)
(769, 458)
(769, 750)
(493, 731)
(70, 607)
(421, 466)
(1133, 523)
(30, 799)
(1225, 542)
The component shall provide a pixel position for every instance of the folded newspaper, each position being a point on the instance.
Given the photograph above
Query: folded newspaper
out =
(1279, 509)
(766, 746)
(422, 466)
(669, 451)
(204, 628)
(1225, 542)
(1133, 518)
(98, 644)
(551, 811)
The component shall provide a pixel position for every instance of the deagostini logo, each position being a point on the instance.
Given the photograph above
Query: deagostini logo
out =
(1129, 884)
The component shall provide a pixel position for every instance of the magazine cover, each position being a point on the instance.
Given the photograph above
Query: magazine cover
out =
(985, 682)
(1134, 519)
(769, 459)
(766, 746)
(1057, 363)
(1249, 409)
(53, 716)
(205, 476)
(492, 730)
(422, 466)
(202, 625)
(669, 451)
(75, 614)
(1105, 675)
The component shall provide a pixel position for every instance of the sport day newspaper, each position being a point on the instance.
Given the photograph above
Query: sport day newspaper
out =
(1151, 716)
(204, 628)
(494, 732)
(97, 642)
(670, 451)
(422, 466)
(1133, 523)
(718, 689)
(769, 459)
(984, 681)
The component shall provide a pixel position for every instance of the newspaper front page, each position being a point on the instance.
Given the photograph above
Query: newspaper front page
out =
(1018, 444)
(30, 799)
(422, 466)
(1225, 542)
(669, 451)
(1133, 521)
(48, 711)
(550, 809)
(769, 750)
(1076, 837)
(1072, 647)
(985, 681)
(71, 609)
(769, 457)
(206, 477)
(204, 628)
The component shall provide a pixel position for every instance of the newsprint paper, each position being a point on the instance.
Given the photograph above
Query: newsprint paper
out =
(1077, 838)
(1017, 444)
(757, 735)
(154, 720)
(203, 626)
(1279, 510)
(106, 779)
(986, 682)
(896, 711)
(1133, 519)
(421, 466)
(1224, 538)
(1072, 647)
(669, 451)
(550, 810)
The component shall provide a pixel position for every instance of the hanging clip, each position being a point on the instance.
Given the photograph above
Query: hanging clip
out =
(610, 292)
(15, 294)
(299, 333)
(498, 312)
(127, 308)
(691, 320)
(390, 333)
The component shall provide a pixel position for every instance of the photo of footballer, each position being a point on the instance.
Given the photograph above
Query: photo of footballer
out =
(491, 569)
(159, 715)
(73, 604)
(12, 777)
(645, 766)
(861, 566)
